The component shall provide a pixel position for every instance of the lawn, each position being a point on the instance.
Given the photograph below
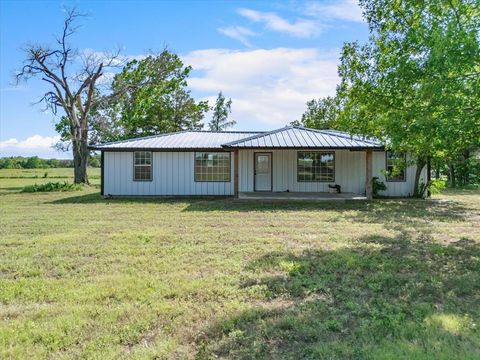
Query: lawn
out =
(83, 277)
(52, 173)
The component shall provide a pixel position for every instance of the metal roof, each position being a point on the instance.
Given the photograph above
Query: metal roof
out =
(193, 139)
(287, 137)
(300, 137)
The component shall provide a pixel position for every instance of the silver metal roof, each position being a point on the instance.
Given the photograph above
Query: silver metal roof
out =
(300, 137)
(287, 137)
(179, 140)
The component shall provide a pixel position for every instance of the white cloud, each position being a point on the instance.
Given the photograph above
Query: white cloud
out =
(302, 28)
(36, 145)
(269, 88)
(348, 10)
(239, 33)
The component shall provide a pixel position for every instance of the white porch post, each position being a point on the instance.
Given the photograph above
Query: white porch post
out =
(235, 173)
(368, 182)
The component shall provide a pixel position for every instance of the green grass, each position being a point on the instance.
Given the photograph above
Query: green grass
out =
(83, 277)
(12, 180)
(55, 173)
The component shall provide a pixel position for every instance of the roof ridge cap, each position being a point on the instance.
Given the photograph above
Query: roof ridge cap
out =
(257, 136)
(341, 134)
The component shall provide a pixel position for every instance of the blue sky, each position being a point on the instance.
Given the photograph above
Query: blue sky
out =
(269, 57)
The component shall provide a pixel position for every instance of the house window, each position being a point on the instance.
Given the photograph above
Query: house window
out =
(142, 166)
(395, 166)
(212, 166)
(316, 166)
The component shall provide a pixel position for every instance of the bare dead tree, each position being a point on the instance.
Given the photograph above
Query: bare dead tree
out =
(73, 77)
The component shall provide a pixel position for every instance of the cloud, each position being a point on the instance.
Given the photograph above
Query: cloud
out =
(238, 33)
(268, 87)
(36, 145)
(302, 28)
(348, 10)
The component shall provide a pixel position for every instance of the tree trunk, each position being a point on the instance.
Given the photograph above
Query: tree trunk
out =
(451, 174)
(429, 176)
(437, 172)
(417, 192)
(466, 175)
(80, 160)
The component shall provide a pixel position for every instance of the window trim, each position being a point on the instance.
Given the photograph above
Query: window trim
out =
(151, 166)
(317, 152)
(212, 152)
(386, 168)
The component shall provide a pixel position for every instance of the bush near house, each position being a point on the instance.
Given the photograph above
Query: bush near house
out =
(52, 186)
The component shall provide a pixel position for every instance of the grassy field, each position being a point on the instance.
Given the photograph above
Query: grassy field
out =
(53, 173)
(83, 277)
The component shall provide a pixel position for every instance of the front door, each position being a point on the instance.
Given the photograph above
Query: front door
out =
(263, 172)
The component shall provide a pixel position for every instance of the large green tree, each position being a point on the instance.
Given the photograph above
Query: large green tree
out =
(320, 114)
(151, 97)
(221, 111)
(416, 83)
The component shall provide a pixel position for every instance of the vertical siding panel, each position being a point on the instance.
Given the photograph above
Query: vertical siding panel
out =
(118, 174)
(121, 173)
(188, 175)
(165, 173)
(114, 174)
(157, 172)
(107, 173)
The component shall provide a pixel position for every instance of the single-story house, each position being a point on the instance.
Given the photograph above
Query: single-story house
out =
(292, 159)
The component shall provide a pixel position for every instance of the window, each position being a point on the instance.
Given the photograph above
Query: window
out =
(212, 166)
(142, 166)
(316, 166)
(395, 166)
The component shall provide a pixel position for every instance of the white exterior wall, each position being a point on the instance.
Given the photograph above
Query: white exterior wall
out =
(173, 174)
(396, 188)
(350, 173)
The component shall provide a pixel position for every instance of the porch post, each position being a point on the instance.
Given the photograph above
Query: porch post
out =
(235, 173)
(368, 182)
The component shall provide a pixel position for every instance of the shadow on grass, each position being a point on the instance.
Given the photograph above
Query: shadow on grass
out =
(401, 211)
(383, 298)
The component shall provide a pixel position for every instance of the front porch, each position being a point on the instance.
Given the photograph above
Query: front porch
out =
(315, 196)
(275, 174)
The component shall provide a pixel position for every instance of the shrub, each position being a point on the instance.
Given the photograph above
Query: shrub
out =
(51, 186)
(377, 186)
(436, 186)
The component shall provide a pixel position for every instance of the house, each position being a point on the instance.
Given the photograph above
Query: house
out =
(289, 160)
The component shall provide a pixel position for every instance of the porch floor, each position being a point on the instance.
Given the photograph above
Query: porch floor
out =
(318, 196)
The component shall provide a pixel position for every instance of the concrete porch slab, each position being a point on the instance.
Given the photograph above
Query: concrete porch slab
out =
(317, 196)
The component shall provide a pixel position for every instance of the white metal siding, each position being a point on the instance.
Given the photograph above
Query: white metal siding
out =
(350, 173)
(173, 174)
(396, 188)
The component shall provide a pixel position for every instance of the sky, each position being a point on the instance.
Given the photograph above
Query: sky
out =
(269, 57)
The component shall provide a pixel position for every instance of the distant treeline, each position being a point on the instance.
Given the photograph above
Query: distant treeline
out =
(34, 162)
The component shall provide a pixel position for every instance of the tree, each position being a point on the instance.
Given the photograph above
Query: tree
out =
(72, 86)
(415, 84)
(320, 114)
(221, 111)
(151, 98)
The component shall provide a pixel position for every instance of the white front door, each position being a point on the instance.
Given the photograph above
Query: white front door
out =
(263, 172)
